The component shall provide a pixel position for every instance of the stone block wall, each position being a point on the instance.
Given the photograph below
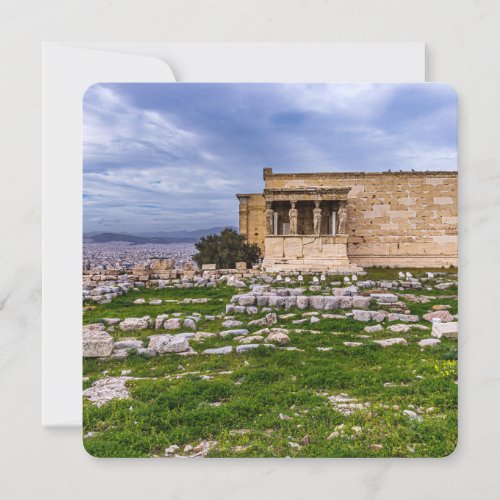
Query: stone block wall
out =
(400, 219)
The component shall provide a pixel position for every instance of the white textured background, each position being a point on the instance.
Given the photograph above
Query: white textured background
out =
(463, 49)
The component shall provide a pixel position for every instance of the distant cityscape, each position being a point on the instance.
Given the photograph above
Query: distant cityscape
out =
(108, 250)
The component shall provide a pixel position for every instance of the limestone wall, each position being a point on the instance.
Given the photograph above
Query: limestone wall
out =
(252, 223)
(393, 218)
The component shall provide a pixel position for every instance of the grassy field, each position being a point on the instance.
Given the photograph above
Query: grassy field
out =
(275, 403)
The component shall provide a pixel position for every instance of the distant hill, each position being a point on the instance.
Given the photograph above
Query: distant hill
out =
(161, 237)
(197, 233)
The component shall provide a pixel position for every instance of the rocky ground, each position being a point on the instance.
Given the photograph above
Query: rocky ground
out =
(275, 367)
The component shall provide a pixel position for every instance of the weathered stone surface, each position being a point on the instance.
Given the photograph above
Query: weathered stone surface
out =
(219, 350)
(302, 302)
(360, 302)
(200, 336)
(352, 344)
(172, 324)
(135, 324)
(429, 342)
(189, 323)
(163, 344)
(106, 389)
(317, 302)
(443, 315)
(231, 323)
(361, 315)
(246, 300)
(271, 319)
(412, 415)
(233, 333)
(378, 316)
(160, 320)
(410, 318)
(278, 337)
(262, 300)
(249, 347)
(399, 328)
(128, 343)
(96, 343)
(391, 342)
(208, 267)
(345, 302)
(385, 298)
(448, 330)
(276, 301)
(331, 302)
(373, 329)
(139, 301)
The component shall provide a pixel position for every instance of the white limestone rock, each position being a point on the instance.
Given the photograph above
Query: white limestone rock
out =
(391, 342)
(360, 302)
(219, 350)
(302, 301)
(373, 329)
(97, 343)
(231, 323)
(384, 298)
(172, 324)
(135, 323)
(128, 343)
(361, 315)
(106, 389)
(448, 330)
(429, 342)
(399, 328)
(444, 316)
(241, 349)
(163, 344)
(317, 302)
(189, 323)
(160, 320)
(233, 333)
(278, 337)
(201, 336)
(250, 339)
(407, 318)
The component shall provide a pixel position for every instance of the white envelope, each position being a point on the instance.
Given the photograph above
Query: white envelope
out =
(68, 70)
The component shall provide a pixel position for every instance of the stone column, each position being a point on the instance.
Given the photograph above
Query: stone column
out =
(317, 218)
(342, 215)
(293, 214)
(269, 218)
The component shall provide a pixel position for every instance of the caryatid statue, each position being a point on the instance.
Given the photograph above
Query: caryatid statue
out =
(293, 214)
(269, 219)
(317, 218)
(342, 212)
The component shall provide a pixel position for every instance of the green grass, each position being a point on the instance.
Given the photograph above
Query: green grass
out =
(252, 390)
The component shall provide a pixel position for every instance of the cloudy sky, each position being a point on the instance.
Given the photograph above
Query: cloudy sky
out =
(162, 157)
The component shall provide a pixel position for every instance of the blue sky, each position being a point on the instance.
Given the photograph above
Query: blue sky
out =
(161, 157)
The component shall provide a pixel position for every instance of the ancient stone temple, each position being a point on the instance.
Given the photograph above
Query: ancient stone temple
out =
(340, 221)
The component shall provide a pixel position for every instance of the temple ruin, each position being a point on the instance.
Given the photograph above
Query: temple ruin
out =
(340, 221)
